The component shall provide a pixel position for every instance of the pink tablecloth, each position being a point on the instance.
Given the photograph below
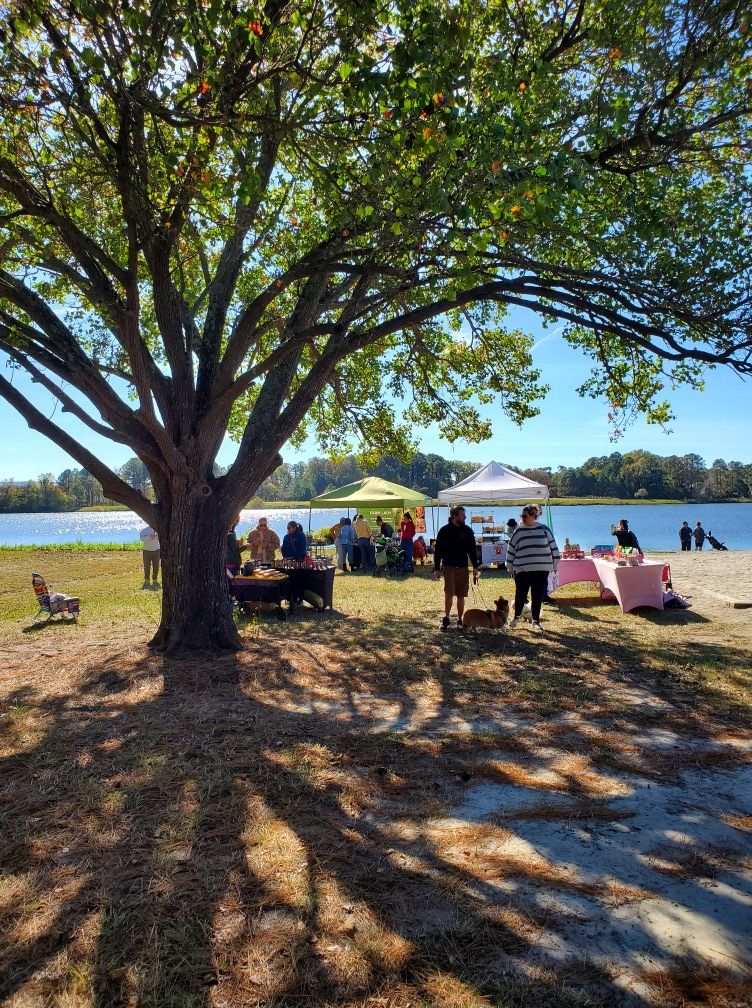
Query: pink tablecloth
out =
(577, 570)
(632, 586)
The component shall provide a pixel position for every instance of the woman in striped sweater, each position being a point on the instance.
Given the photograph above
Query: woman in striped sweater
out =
(531, 556)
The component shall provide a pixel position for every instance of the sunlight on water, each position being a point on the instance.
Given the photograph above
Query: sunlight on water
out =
(656, 525)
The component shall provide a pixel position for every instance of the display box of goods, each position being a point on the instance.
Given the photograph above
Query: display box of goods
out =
(602, 551)
(572, 554)
(477, 520)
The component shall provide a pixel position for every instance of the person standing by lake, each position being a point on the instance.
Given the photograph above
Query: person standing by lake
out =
(625, 537)
(532, 554)
(150, 554)
(685, 537)
(699, 533)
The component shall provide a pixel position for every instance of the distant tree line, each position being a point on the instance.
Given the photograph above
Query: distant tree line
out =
(636, 474)
(71, 490)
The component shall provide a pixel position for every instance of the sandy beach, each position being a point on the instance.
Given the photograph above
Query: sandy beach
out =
(716, 582)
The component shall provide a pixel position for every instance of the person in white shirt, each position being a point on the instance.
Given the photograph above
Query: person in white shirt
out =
(150, 544)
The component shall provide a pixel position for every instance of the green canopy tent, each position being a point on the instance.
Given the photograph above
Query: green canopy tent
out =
(370, 496)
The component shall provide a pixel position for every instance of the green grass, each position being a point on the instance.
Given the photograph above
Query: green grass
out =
(72, 547)
(111, 506)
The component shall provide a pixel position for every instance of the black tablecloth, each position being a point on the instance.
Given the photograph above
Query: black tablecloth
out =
(307, 579)
(258, 590)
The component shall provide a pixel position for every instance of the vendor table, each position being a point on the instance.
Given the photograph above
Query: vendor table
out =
(263, 590)
(570, 571)
(493, 552)
(631, 586)
(313, 580)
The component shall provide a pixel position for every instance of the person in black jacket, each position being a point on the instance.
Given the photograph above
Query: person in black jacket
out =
(625, 538)
(455, 545)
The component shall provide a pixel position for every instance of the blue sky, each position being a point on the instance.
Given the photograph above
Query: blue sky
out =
(714, 424)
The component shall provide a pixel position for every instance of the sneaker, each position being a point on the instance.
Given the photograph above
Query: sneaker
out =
(513, 623)
(155, 586)
(145, 586)
(459, 625)
(536, 627)
(445, 623)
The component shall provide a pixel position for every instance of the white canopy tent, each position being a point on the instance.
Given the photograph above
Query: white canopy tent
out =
(493, 484)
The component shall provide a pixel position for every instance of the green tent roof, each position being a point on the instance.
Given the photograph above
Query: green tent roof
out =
(371, 492)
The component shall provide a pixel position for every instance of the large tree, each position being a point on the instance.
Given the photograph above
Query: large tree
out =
(272, 218)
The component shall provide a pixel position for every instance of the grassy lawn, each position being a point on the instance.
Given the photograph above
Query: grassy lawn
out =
(361, 811)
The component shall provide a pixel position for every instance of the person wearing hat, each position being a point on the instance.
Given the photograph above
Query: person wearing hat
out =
(263, 542)
(532, 554)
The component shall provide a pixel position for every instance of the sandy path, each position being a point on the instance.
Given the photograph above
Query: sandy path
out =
(713, 581)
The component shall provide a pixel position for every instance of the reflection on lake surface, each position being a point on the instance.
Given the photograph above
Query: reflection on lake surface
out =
(656, 525)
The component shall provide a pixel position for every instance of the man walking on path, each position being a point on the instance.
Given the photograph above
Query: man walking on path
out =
(685, 537)
(532, 554)
(699, 534)
(455, 545)
(150, 543)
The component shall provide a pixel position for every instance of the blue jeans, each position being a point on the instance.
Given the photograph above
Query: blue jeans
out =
(407, 546)
(345, 551)
(367, 553)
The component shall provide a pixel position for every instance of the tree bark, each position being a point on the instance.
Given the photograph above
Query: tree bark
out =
(196, 610)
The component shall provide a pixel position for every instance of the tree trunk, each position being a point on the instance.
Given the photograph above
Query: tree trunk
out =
(196, 611)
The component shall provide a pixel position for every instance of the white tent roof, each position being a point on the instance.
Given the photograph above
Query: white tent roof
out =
(491, 484)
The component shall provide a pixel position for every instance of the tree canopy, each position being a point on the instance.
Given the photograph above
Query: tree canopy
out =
(283, 218)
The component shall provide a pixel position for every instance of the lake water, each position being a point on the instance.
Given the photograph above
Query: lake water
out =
(656, 525)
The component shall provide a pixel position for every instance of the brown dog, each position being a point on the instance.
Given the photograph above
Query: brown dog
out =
(488, 619)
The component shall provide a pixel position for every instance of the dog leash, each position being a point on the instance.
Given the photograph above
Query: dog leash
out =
(477, 592)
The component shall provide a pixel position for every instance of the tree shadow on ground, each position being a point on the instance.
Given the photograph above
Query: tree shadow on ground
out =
(265, 828)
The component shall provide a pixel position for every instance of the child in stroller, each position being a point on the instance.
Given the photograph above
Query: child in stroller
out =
(715, 543)
(390, 558)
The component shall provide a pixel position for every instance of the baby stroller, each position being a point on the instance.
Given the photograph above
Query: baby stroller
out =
(715, 543)
(390, 559)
